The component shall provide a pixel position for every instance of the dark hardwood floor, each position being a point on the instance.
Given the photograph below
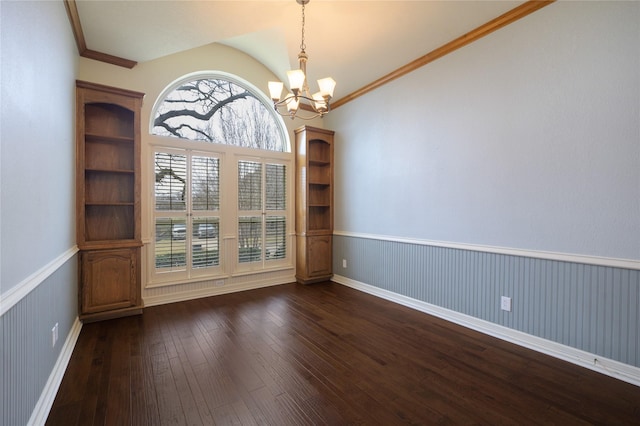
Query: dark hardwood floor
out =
(322, 354)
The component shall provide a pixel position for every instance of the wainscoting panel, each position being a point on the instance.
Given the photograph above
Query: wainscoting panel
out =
(593, 308)
(28, 356)
(159, 294)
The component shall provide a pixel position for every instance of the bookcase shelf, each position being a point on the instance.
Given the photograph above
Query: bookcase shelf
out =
(108, 200)
(314, 204)
(97, 137)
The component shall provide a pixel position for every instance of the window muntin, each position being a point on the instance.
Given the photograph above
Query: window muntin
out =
(276, 238)
(262, 218)
(276, 175)
(170, 245)
(187, 211)
(276, 205)
(170, 181)
(205, 183)
(205, 242)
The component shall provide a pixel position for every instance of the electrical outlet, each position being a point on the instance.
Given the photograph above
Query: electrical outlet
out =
(218, 283)
(344, 263)
(505, 303)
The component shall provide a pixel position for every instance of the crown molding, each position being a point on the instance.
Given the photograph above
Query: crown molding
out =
(76, 27)
(501, 21)
(483, 30)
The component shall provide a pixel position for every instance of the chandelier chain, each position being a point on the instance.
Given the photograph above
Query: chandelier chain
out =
(302, 45)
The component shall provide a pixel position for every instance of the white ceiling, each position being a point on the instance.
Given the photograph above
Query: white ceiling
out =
(353, 41)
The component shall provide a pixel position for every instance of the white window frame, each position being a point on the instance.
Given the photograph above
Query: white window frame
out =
(229, 156)
(268, 264)
(188, 215)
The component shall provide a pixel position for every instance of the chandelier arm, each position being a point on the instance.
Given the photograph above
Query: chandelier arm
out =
(298, 96)
(301, 117)
(294, 114)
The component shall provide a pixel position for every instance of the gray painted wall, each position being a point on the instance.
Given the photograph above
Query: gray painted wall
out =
(37, 172)
(37, 213)
(528, 138)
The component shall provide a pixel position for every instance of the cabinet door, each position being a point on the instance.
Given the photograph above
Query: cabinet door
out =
(319, 255)
(108, 280)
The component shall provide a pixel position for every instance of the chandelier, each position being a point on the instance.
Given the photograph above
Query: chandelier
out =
(319, 102)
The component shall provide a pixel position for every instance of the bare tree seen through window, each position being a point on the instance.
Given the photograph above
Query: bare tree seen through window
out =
(218, 111)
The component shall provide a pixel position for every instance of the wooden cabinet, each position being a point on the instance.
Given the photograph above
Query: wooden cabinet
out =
(314, 204)
(108, 200)
(100, 269)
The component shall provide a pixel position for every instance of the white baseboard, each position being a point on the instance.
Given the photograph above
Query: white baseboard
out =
(48, 395)
(609, 367)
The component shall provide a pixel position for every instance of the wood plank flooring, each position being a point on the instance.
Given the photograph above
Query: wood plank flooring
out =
(322, 354)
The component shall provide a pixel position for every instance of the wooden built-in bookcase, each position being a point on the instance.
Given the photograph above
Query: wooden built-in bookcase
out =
(108, 200)
(314, 204)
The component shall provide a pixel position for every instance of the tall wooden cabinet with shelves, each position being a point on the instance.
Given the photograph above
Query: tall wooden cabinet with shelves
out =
(108, 200)
(314, 204)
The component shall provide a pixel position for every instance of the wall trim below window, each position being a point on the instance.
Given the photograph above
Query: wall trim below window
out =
(214, 278)
(178, 292)
(537, 254)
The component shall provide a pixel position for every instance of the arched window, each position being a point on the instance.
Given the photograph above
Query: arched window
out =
(219, 109)
(222, 181)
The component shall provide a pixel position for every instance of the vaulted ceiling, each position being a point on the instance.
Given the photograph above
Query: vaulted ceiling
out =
(355, 42)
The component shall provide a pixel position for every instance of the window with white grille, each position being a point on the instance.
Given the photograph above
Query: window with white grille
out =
(262, 215)
(220, 199)
(187, 211)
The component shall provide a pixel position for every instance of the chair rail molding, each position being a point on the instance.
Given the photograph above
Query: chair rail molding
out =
(16, 293)
(536, 254)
